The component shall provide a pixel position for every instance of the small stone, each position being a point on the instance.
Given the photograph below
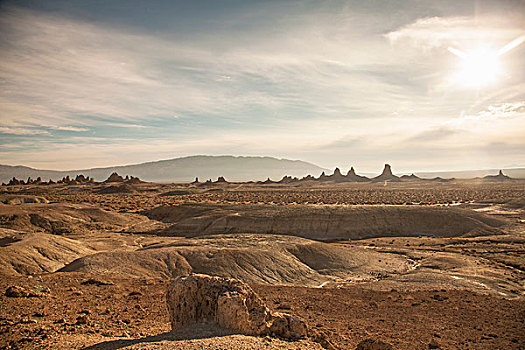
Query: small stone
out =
(16, 292)
(373, 344)
(83, 319)
(97, 282)
(434, 344)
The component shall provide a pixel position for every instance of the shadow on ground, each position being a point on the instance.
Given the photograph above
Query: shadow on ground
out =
(187, 333)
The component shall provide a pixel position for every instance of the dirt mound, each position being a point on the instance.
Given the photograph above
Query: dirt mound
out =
(324, 222)
(517, 203)
(115, 189)
(175, 193)
(62, 219)
(34, 253)
(229, 303)
(267, 259)
(20, 199)
(158, 263)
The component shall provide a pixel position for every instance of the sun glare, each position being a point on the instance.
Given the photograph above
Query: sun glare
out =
(478, 68)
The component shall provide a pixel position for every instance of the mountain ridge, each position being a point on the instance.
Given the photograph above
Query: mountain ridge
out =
(183, 169)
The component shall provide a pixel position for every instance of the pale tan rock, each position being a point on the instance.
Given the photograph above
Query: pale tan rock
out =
(229, 303)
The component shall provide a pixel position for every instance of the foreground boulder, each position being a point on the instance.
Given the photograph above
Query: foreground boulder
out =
(229, 303)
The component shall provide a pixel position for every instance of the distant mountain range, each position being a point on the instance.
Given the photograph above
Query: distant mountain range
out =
(233, 168)
(182, 169)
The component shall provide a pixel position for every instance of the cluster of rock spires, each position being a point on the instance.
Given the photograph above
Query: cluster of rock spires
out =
(385, 176)
(114, 177)
(351, 176)
(79, 179)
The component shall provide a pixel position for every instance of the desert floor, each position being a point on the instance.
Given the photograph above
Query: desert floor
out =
(417, 264)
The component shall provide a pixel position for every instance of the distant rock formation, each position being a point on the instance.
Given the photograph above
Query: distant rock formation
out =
(14, 181)
(411, 177)
(308, 178)
(233, 305)
(353, 177)
(440, 179)
(267, 182)
(80, 179)
(288, 180)
(322, 177)
(134, 180)
(497, 178)
(114, 177)
(337, 176)
(386, 175)
(221, 179)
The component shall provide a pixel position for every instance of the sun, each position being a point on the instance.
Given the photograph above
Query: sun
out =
(477, 68)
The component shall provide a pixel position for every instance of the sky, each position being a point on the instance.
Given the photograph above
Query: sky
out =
(422, 85)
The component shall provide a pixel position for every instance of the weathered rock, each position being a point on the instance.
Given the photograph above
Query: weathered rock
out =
(230, 304)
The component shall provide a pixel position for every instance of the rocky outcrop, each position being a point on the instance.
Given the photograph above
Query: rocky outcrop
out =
(221, 179)
(351, 176)
(322, 177)
(411, 177)
(497, 178)
(230, 304)
(288, 180)
(386, 175)
(234, 306)
(134, 180)
(114, 177)
(14, 181)
(337, 176)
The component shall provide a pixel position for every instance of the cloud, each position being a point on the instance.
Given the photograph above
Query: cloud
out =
(433, 135)
(347, 142)
(70, 128)
(22, 131)
(497, 112)
(438, 32)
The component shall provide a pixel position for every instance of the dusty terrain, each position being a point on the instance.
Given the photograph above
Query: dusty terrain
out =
(417, 265)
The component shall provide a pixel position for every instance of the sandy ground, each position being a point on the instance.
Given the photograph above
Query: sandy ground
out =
(421, 280)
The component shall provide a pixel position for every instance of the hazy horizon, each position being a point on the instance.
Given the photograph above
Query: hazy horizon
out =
(344, 168)
(433, 86)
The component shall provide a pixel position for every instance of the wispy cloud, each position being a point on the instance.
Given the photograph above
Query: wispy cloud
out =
(438, 32)
(21, 131)
(433, 135)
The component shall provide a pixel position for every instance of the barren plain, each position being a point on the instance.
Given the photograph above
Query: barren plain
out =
(416, 265)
